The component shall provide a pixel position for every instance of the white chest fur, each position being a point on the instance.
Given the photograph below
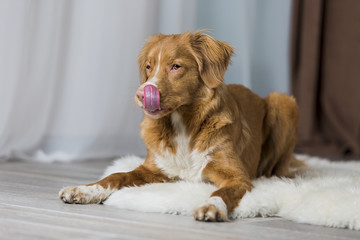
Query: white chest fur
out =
(184, 164)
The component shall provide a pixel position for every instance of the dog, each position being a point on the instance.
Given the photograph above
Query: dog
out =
(196, 128)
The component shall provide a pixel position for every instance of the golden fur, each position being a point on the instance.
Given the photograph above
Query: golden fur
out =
(244, 135)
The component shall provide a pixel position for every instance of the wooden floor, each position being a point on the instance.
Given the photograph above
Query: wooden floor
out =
(30, 209)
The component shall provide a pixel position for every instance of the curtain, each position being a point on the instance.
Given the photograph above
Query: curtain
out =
(68, 69)
(68, 76)
(260, 32)
(326, 76)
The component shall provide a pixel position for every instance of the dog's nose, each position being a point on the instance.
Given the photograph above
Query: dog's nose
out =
(140, 95)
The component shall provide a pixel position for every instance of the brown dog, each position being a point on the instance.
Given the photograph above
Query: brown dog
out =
(197, 128)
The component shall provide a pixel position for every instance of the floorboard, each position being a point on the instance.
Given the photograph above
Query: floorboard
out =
(30, 209)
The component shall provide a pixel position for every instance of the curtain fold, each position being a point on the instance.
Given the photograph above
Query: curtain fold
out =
(326, 76)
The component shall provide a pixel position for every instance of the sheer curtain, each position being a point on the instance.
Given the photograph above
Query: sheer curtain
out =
(68, 68)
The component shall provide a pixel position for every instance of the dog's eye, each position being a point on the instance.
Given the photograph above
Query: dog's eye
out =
(175, 67)
(148, 67)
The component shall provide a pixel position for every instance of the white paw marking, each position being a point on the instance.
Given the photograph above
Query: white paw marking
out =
(213, 210)
(84, 194)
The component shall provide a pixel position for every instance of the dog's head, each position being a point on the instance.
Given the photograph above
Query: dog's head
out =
(176, 69)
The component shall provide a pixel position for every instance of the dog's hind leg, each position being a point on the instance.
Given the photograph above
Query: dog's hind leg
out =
(280, 131)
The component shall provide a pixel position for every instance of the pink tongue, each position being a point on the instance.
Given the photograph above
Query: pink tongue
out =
(151, 98)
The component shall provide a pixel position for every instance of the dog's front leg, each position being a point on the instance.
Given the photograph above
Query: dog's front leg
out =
(232, 183)
(99, 191)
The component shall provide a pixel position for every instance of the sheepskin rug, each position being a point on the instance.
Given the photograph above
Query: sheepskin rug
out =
(327, 194)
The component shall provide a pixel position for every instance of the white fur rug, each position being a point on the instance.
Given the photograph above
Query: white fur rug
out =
(326, 194)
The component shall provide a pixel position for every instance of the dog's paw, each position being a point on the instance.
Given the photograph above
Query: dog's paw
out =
(213, 210)
(84, 194)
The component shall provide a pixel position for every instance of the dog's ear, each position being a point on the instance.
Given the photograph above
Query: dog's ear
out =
(212, 56)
